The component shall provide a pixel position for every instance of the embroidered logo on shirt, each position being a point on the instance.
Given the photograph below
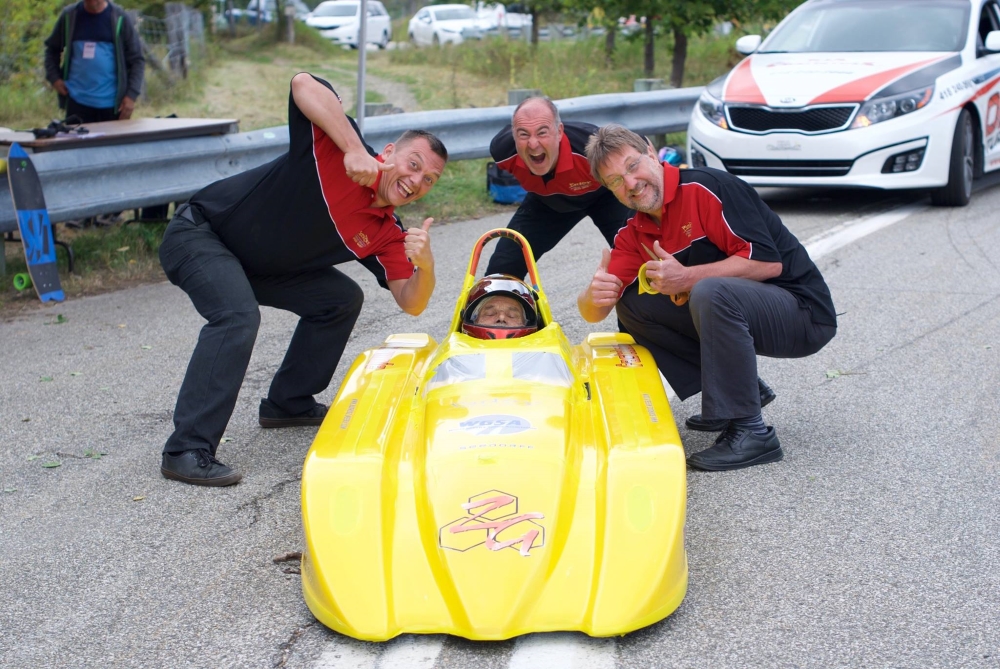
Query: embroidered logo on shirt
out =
(361, 239)
(686, 229)
(579, 185)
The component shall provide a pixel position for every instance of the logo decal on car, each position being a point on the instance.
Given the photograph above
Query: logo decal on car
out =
(493, 424)
(492, 519)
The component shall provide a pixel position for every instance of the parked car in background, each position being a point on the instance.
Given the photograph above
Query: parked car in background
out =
(340, 21)
(268, 11)
(893, 94)
(496, 16)
(445, 24)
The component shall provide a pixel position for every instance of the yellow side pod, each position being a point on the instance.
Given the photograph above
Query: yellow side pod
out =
(494, 488)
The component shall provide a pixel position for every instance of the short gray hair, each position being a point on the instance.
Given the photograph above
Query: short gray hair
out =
(609, 140)
(545, 101)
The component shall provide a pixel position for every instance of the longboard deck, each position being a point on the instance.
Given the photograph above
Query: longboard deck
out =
(34, 224)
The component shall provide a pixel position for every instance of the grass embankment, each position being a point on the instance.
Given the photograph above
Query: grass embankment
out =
(247, 79)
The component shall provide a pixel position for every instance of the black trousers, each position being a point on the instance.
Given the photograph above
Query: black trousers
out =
(543, 227)
(85, 114)
(327, 301)
(711, 343)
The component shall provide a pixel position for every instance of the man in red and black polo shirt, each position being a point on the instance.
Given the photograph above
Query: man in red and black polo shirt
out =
(271, 236)
(546, 157)
(723, 282)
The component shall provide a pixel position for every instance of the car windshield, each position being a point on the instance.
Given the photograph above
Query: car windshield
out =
(885, 25)
(338, 9)
(455, 14)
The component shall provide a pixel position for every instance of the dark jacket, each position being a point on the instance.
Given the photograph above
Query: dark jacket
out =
(128, 52)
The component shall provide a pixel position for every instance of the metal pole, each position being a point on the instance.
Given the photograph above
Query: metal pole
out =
(362, 44)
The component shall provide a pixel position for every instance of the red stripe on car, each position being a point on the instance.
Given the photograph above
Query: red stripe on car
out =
(861, 89)
(742, 87)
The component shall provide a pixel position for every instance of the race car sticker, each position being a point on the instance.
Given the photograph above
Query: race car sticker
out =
(627, 356)
(494, 424)
(492, 520)
(379, 360)
(648, 401)
(349, 414)
(494, 444)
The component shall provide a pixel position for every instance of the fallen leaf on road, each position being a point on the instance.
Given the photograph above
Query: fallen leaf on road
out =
(25, 420)
(145, 347)
(138, 498)
(832, 373)
(288, 557)
(76, 373)
(121, 325)
(225, 440)
(52, 464)
(10, 489)
(33, 457)
(45, 378)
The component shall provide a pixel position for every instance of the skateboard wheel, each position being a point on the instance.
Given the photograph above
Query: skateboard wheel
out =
(22, 281)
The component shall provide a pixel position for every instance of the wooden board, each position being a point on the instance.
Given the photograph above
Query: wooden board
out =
(125, 132)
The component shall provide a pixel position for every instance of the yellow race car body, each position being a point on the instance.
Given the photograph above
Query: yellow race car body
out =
(493, 488)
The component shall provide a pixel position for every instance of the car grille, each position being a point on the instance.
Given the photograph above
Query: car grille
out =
(809, 120)
(788, 168)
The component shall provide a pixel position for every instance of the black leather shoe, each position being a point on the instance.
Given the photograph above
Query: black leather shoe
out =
(696, 422)
(272, 416)
(738, 448)
(198, 468)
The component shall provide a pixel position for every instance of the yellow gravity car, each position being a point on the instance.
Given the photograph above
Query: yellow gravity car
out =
(491, 488)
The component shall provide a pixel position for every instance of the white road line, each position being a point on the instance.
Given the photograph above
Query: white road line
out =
(851, 231)
(562, 650)
(568, 650)
(409, 651)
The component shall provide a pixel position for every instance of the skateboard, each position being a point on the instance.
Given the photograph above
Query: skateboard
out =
(35, 226)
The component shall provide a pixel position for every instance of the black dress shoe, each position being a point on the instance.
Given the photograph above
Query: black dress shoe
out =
(271, 416)
(738, 448)
(198, 467)
(696, 422)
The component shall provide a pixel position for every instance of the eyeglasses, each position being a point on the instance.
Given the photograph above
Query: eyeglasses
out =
(615, 182)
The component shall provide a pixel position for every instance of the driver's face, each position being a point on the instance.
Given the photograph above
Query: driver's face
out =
(501, 310)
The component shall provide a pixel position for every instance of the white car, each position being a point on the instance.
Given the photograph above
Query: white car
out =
(340, 21)
(865, 93)
(445, 24)
(494, 16)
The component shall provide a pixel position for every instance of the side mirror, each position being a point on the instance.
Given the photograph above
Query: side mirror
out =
(993, 41)
(748, 44)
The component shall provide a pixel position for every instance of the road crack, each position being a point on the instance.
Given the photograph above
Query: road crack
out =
(254, 504)
(286, 648)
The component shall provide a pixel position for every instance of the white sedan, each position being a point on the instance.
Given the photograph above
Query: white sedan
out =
(445, 24)
(867, 93)
(340, 21)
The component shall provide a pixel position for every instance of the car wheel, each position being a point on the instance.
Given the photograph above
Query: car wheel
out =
(385, 40)
(413, 39)
(962, 167)
(436, 41)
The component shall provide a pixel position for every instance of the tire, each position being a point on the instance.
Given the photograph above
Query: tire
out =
(962, 168)
(384, 43)
(413, 40)
(436, 41)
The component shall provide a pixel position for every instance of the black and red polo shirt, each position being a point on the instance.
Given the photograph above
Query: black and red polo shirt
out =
(570, 185)
(709, 215)
(301, 211)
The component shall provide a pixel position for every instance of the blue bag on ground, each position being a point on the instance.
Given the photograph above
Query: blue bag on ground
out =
(502, 186)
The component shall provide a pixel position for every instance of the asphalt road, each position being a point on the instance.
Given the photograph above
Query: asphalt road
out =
(874, 543)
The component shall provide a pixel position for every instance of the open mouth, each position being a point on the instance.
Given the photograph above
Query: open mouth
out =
(403, 190)
(537, 160)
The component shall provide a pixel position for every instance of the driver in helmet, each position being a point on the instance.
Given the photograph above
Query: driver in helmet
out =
(500, 306)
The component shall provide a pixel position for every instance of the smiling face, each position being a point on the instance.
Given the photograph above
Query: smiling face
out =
(635, 178)
(537, 137)
(500, 310)
(416, 168)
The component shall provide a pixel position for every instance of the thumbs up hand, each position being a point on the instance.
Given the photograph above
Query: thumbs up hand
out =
(666, 275)
(417, 245)
(605, 288)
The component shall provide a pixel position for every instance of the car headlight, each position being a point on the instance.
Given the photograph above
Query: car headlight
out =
(883, 109)
(713, 109)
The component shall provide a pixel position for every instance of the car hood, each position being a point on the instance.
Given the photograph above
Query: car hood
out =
(797, 80)
(327, 22)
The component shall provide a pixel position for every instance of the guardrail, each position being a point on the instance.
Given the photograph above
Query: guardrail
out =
(83, 182)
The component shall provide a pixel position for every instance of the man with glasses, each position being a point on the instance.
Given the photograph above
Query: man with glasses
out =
(707, 278)
(546, 157)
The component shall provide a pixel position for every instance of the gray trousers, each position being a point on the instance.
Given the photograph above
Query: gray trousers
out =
(711, 343)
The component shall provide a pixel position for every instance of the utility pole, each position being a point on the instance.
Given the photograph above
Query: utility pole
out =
(362, 48)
